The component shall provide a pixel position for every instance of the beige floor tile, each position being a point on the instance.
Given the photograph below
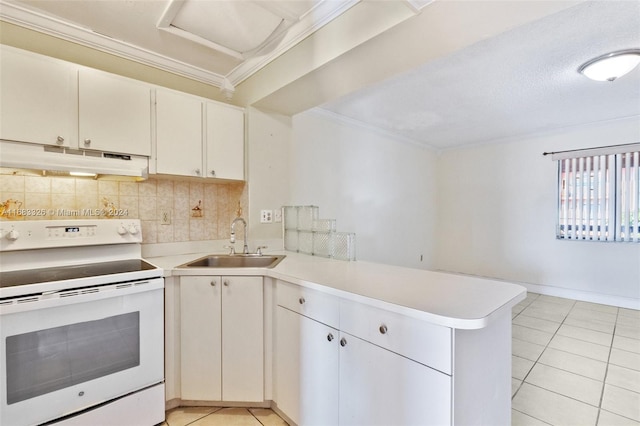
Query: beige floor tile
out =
(515, 385)
(521, 419)
(609, 419)
(228, 417)
(267, 417)
(623, 378)
(518, 308)
(591, 324)
(544, 311)
(626, 344)
(574, 363)
(591, 336)
(628, 321)
(587, 314)
(628, 331)
(621, 401)
(566, 383)
(537, 323)
(182, 416)
(526, 350)
(629, 312)
(520, 367)
(553, 408)
(596, 307)
(531, 335)
(625, 359)
(557, 300)
(580, 347)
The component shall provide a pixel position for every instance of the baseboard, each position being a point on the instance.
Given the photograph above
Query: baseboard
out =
(585, 296)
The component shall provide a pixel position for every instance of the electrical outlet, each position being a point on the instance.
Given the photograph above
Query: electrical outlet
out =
(277, 215)
(165, 217)
(266, 216)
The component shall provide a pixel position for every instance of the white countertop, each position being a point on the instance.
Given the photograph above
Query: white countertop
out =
(452, 300)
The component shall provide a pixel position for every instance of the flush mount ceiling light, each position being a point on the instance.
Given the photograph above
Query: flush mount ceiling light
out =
(611, 66)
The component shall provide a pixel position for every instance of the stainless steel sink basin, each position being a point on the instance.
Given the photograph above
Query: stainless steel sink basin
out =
(235, 261)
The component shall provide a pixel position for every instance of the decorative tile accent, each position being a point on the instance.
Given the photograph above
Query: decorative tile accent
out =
(69, 197)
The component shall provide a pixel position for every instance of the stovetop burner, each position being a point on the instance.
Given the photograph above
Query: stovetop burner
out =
(60, 273)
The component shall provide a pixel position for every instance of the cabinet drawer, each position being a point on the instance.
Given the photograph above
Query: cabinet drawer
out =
(310, 303)
(417, 340)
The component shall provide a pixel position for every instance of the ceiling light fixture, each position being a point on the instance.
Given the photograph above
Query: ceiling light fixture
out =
(611, 66)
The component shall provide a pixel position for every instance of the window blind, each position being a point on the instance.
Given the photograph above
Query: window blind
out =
(599, 195)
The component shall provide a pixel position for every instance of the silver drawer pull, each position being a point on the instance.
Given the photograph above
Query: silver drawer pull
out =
(213, 283)
(329, 337)
(383, 329)
(226, 283)
(343, 342)
(301, 300)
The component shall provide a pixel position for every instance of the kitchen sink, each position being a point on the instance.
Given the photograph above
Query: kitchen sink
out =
(235, 261)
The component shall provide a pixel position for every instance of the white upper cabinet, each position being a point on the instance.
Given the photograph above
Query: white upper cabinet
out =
(38, 99)
(178, 134)
(225, 142)
(114, 113)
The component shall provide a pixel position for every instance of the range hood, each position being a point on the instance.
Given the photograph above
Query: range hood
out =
(60, 160)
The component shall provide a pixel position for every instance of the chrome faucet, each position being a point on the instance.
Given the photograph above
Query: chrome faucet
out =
(232, 240)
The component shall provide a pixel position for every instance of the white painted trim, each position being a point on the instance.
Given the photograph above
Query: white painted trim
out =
(321, 15)
(368, 127)
(19, 15)
(312, 21)
(585, 296)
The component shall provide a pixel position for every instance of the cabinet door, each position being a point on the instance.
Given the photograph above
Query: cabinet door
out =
(200, 334)
(225, 142)
(178, 134)
(306, 369)
(114, 113)
(242, 339)
(38, 102)
(379, 387)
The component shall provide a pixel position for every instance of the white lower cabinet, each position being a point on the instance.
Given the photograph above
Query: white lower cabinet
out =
(307, 363)
(379, 387)
(221, 338)
(326, 376)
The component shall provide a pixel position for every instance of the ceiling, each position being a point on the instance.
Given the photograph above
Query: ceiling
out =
(520, 82)
(443, 74)
(220, 42)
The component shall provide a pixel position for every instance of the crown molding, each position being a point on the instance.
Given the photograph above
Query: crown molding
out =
(36, 21)
(316, 18)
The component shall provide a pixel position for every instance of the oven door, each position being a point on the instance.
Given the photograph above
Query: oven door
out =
(64, 352)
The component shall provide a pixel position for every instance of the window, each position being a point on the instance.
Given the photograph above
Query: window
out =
(599, 194)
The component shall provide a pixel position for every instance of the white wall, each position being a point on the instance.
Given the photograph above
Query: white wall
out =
(269, 136)
(377, 186)
(497, 218)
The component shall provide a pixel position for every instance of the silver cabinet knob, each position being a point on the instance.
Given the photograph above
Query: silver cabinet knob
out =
(301, 300)
(343, 342)
(59, 140)
(329, 337)
(383, 329)
(226, 283)
(213, 172)
(197, 172)
(213, 283)
(87, 142)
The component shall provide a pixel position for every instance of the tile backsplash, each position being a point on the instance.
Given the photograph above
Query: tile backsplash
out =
(169, 210)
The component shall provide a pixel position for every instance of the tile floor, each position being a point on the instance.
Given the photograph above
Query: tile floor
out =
(215, 416)
(574, 363)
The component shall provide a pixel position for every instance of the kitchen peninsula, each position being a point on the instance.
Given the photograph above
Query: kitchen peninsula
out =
(341, 342)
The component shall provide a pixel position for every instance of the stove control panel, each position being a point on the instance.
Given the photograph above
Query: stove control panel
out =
(34, 234)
